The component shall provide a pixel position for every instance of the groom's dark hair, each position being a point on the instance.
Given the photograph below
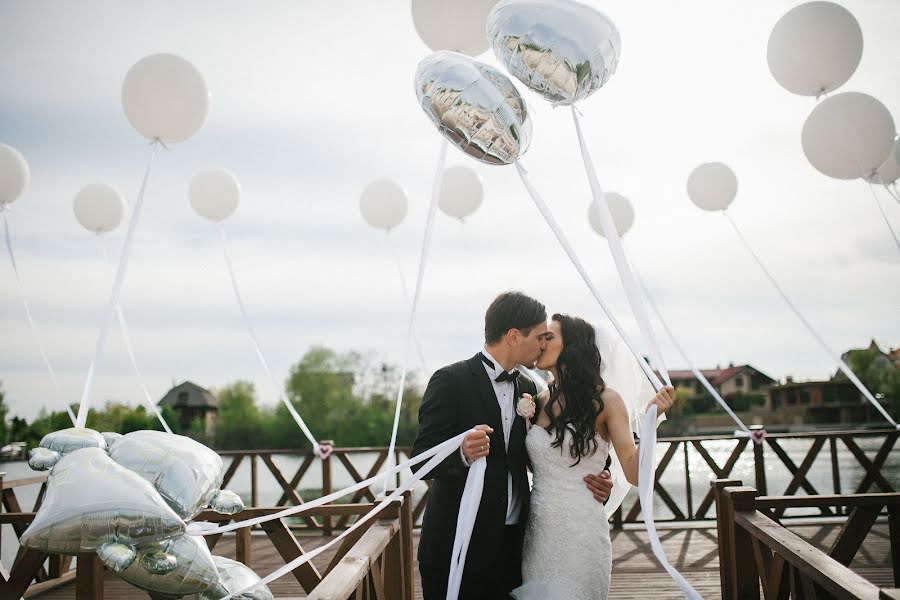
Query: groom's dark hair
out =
(512, 310)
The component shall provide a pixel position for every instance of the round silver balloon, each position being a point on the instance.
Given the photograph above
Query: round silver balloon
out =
(561, 49)
(475, 106)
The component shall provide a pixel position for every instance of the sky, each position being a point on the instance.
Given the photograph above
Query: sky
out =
(310, 101)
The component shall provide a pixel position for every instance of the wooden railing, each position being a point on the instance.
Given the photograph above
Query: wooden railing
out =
(757, 553)
(374, 561)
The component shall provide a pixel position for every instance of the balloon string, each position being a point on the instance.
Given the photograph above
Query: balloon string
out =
(564, 242)
(405, 288)
(84, 405)
(697, 373)
(892, 191)
(317, 448)
(884, 216)
(417, 293)
(24, 297)
(635, 301)
(129, 350)
(841, 364)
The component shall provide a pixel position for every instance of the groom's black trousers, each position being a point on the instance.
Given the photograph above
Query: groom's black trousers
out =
(493, 581)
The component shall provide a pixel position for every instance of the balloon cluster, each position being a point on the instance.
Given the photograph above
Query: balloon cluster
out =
(812, 51)
(127, 497)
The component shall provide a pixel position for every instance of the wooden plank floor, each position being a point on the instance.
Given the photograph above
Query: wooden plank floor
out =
(636, 574)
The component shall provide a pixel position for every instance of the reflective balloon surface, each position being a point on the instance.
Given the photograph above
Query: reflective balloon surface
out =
(234, 577)
(563, 50)
(194, 570)
(475, 106)
(91, 501)
(186, 473)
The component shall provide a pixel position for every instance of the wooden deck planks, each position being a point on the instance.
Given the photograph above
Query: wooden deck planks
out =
(636, 573)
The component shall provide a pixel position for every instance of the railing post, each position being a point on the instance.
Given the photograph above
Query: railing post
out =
(406, 534)
(89, 578)
(242, 546)
(687, 483)
(326, 487)
(835, 469)
(759, 463)
(744, 572)
(254, 498)
(724, 525)
(392, 560)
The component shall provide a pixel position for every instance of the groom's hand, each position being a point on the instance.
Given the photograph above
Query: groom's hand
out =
(599, 485)
(477, 444)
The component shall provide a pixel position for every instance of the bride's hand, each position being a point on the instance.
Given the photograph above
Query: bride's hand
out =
(664, 399)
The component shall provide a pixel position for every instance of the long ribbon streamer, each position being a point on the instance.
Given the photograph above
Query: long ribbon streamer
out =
(417, 293)
(405, 288)
(646, 479)
(436, 454)
(564, 242)
(841, 364)
(465, 523)
(883, 215)
(129, 350)
(317, 448)
(697, 373)
(618, 252)
(119, 280)
(31, 325)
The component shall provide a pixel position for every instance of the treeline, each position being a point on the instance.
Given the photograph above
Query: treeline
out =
(345, 397)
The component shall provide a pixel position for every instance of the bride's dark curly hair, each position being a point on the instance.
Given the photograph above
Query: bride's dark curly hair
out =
(579, 384)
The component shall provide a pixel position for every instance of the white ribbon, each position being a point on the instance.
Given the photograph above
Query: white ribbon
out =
(646, 477)
(31, 325)
(841, 364)
(465, 523)
(423, 261)
(84, 406)
(564, 242)
(437, 454)
(317, 448)
(129, 349)
(697, 373)
(635, 301)
(405, 289)
(883, 215)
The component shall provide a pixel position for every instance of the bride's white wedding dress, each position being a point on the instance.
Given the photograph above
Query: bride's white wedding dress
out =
(567, 550)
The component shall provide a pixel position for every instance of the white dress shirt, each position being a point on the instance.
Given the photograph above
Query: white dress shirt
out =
(504, 391)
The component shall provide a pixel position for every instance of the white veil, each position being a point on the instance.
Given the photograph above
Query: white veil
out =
(621, 372)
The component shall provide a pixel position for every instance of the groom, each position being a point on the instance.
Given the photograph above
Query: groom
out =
(481, 393)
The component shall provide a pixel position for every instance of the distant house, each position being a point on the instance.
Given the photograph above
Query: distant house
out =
(834, 401)
(729, 382)
(192, 402)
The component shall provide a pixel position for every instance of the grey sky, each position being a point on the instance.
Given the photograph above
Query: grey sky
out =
(312, 100)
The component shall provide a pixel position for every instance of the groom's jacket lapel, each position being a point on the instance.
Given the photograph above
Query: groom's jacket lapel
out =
(489, 404)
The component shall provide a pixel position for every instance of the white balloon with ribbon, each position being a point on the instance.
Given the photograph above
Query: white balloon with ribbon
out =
(456, 25)
(621, 210)
(383, 204)
(99, 207)
(712, 186)
(889, 171)
(461, 192)
(14, 175)
(814, 48)
(214, 194)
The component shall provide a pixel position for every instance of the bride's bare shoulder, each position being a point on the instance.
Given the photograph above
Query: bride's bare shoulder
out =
(611, 399)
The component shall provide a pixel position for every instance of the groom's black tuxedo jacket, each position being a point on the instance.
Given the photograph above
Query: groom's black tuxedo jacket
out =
(457, 398)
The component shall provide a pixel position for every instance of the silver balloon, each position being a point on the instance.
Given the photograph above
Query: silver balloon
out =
(563, 50)
(92, 501)
(59, 443)
(234, 577)
(186, 473)
(475, 106)
(193, 572)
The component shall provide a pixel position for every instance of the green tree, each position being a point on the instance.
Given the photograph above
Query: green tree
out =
(4, 410)
(239, 423)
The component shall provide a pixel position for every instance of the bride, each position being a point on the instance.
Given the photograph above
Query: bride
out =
(566, 553)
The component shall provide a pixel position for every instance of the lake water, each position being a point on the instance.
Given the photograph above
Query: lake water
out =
(778, 477)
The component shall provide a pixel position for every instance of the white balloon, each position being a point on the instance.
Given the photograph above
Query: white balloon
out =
(14, 174)
(889, 171)
(214, 194)
(712, 186)
(165, 98)
(383, 204)
(815, 48)
(99, 207)
(457, 25)
(848, 135)
(461, 192)
(621, 210)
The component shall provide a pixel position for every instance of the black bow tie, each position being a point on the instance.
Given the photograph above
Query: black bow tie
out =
(510, 376)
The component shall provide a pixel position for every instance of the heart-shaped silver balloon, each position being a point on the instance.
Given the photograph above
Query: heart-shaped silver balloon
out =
(475, 106)
(561, 49)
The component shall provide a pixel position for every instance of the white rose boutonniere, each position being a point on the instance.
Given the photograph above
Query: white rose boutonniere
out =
(525, 408)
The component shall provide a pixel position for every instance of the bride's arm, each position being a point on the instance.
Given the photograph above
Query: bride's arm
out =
(615, 416)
